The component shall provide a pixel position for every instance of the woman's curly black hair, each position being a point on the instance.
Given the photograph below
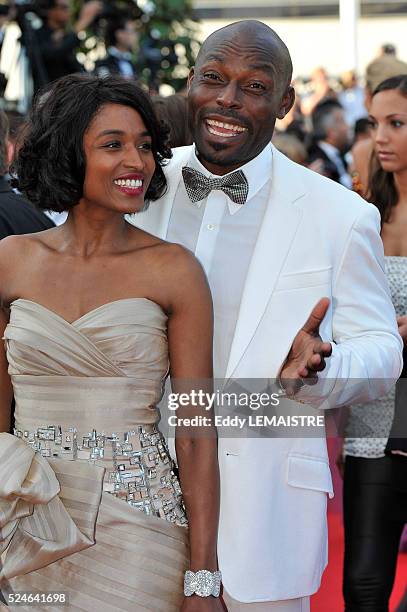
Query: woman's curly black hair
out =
(50, 165)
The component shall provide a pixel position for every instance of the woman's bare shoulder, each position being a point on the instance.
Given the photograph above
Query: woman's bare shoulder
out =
(19, 252)
(169, 253)
(172, 263)
(179, 260)
(19, 243)
(185, 275)
(13, 248)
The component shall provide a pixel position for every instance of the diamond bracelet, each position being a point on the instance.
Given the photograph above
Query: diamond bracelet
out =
(203, 583)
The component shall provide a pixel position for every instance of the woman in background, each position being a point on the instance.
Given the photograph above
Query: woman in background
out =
(374, 504)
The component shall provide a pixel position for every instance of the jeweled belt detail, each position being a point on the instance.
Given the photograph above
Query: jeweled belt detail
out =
(138, 465)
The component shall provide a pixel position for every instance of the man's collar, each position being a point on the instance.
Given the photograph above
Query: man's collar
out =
(329, 149)
(257, 171)
(121, 55)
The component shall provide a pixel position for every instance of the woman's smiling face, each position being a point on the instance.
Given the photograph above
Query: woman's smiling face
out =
(119, 160)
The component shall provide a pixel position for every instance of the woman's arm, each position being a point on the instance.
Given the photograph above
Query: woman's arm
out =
(190, 331)
(7, 257)
(6, 390)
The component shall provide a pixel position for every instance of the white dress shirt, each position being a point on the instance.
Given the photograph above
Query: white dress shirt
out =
(222, 235)
(56, 217)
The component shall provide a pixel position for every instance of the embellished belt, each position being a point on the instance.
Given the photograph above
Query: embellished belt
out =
(138, 465)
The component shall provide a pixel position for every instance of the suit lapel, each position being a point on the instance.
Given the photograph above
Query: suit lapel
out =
(279, 228)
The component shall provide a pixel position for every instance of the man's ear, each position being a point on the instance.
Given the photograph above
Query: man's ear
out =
(287, 102)
(190, 78)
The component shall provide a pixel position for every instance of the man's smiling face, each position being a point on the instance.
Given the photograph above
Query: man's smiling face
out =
(236, 91)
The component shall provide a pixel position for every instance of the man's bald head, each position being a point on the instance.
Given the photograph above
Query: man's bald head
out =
(238, 87)
(249, 32)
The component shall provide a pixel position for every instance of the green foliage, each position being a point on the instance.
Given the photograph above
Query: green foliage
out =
(168, 39)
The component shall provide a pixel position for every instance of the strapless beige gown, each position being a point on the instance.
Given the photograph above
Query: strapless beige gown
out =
(90, 504)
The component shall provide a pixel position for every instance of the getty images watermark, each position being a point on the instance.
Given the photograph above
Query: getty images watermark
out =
(245, 407)
(259, 407)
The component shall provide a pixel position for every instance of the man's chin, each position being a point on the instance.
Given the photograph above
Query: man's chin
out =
(219, 154)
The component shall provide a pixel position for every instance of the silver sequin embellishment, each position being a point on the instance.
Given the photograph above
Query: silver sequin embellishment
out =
(138, 465)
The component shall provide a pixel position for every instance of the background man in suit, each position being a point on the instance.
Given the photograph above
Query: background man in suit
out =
(331, 141)
(17, 215)
(120, 41)
(275, 240)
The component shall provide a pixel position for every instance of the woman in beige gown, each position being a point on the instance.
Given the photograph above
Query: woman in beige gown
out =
(95, 313)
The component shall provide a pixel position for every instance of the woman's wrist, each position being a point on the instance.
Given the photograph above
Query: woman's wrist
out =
(201, 562)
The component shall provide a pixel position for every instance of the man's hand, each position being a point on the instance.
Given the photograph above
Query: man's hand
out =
(308, 353)
(402, 324)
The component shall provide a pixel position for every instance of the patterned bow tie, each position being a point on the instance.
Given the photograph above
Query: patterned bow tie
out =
(199, 186)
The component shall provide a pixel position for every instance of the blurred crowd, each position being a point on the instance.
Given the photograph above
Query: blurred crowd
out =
(42, 41)
(328, 130)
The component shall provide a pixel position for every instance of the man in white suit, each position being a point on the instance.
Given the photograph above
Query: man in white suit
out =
(275, 240)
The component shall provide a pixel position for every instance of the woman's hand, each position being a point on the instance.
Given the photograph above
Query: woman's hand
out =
(402, 323)
(203, 604)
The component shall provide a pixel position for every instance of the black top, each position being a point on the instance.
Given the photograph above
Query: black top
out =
(18, 215)
(398, 436)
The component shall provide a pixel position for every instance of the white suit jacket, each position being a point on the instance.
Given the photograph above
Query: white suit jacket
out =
(317, 239)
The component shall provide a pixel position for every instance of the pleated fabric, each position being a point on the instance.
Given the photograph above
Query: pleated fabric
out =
(59, 531)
